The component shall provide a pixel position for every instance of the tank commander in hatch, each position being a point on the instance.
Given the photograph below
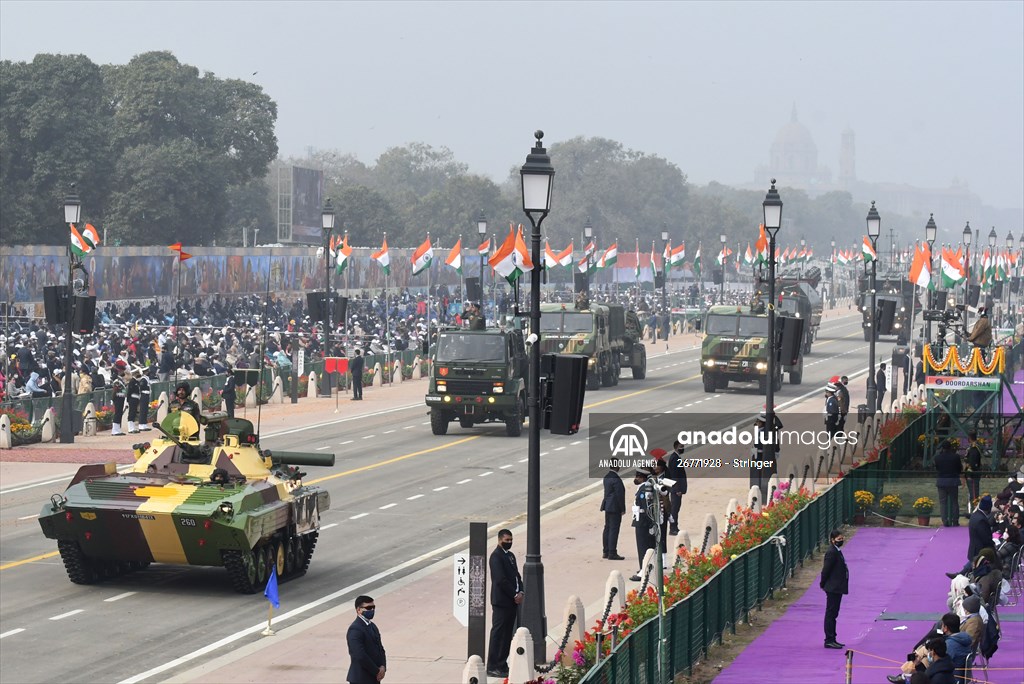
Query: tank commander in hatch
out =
(183, 402)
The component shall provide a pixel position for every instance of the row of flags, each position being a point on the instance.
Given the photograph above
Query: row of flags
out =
(995, 266)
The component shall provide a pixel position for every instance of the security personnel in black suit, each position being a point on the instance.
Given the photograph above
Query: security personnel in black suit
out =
(355, 366)
(835, 581)
(506, 596)
(614, 506)
(369, 662)
(674, 470)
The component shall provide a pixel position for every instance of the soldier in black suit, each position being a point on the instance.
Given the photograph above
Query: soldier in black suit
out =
(674, 470)
(643, 525)
(835, 581)
(614, 506)
(369, 662)
(506, 596)
(355, 366)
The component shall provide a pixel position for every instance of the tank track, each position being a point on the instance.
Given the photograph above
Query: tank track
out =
(308, 546)
(82, 569)
(238, 571)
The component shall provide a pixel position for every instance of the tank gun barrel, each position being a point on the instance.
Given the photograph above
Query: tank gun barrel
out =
(301, 458)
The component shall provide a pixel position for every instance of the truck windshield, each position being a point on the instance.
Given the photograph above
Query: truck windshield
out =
(566, 322)
(752, 326)
(721, 325)
(463, 347)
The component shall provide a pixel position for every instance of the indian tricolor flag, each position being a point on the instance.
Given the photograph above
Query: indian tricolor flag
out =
(586, 260)
(422, 257)
(564, 258)
(610, 256)
(383, 258)
(952, 268)
(867, 251)
(485, 247)
(84, 241)
(455, 257)
(748, 256)
(511, 260)
(344, 251)
(921, 268)
(653, 266)
(842, 258)
(696, 261)
(761, 246)
(550, 258)
(677, 256)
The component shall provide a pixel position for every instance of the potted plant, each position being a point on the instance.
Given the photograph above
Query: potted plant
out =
(924, 507)
(863, 500)
(890, 505)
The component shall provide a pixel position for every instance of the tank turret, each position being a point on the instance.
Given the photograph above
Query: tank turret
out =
(203, 493)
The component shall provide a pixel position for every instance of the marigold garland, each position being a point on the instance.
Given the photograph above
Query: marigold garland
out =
(977, 363)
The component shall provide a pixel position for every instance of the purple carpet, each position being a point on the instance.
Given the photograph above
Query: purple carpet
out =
(896, 580)
(1017, 390)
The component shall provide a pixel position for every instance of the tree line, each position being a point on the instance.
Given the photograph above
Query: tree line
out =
(161, 152)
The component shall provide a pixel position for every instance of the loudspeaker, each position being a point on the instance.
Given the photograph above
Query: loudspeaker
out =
(55, 303)
(567, 381)
(939, 299)
(84, 315)
(973, 295)
(474, 292)
(886, 317)
(716, 276)
(791, 339)
(659, 281)
(997, 290)
(247, 377)
(315, 302)
(1015, 284)
(581, 282)
(340, 308)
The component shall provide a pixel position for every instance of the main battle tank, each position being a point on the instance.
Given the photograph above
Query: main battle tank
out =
(196, 496)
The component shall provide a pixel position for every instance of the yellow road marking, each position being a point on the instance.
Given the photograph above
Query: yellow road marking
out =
(440, 447)
(33, 559)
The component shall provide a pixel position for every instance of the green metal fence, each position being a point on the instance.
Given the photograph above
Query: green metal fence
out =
(697, 622)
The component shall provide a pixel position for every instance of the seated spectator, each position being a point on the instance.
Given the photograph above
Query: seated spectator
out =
(958, 647)
(34, 387)
(971, 621)
(986, 576)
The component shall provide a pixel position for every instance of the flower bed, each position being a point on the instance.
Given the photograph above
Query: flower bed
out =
(749, 530)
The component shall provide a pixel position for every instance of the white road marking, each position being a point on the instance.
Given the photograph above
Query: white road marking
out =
(574, 443)
(387, 506)
(29, 517)
(414, 497)
(119, 597)
(489, 472)
(507, 465)
(357, 517)
(369, 436)
(464, 481)
(427, 423)
(524, 460)
(347, 441)
(438, 489)
(323, 447)
(679, 408)
(559, 448)
(543, 453)
(408, 427)
(12, 632)
(388, 432)
(327, 527)
(68, 614)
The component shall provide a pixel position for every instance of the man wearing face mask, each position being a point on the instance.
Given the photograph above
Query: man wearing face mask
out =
(369, 662)
(835, 581)
(643, 526)
(506, 596)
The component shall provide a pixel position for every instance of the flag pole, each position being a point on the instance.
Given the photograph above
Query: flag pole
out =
(270, 616)
(462, 276)
(177, 327)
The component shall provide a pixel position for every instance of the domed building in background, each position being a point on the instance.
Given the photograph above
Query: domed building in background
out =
(794, 156)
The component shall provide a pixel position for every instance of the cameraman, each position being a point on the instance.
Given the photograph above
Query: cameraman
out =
(981, 334)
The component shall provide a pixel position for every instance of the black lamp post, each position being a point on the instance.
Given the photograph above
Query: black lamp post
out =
(721, 286)
(832, 279)
(537, 177)
(931, 231)
(1009, 284)
(772, 207)
(72, 213)
(481, 229)
(874, 229)
(588, 234)
(665, 326)
(968, 234)
(327, 222)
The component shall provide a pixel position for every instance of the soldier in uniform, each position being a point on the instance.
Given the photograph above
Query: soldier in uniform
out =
(145, 396)
(118, 386)
(183, 402)
(475, 317)
(132, 391)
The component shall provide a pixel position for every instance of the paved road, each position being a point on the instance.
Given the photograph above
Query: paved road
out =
(397, 493)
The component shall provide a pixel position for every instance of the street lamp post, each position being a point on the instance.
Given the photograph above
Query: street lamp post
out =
(666, 325)
(588, 235)
(72, 212)
(832, 278)
(481, 229)
(772, 207)
(931, 231)
(537, 176)
(874, 229)
(327, 221)
(992, 239)
(721, 286)
(968, 234)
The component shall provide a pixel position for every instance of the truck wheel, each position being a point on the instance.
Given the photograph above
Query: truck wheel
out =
(465, 421)
(593, 380)
(640, 365)
(616, 371)
(438, 422)
(709, 383)
(606, 374)
(514, 424)
(796, 377)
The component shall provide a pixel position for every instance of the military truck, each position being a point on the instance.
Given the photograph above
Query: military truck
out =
(478, 376)
(798, 297)
(889, 287)
(610, 335)
(194, 496)
(735, 348)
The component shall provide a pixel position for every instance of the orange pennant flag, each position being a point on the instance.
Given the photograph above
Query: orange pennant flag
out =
(183, 255)
(176, 246)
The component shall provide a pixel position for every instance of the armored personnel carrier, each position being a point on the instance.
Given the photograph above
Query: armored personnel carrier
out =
(195, 496)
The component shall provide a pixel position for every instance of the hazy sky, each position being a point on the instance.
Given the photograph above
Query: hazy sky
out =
(933, 90)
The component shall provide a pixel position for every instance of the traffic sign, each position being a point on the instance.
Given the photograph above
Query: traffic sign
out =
(460, 589)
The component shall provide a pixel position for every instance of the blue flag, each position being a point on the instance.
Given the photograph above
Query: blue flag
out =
(271, 591)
